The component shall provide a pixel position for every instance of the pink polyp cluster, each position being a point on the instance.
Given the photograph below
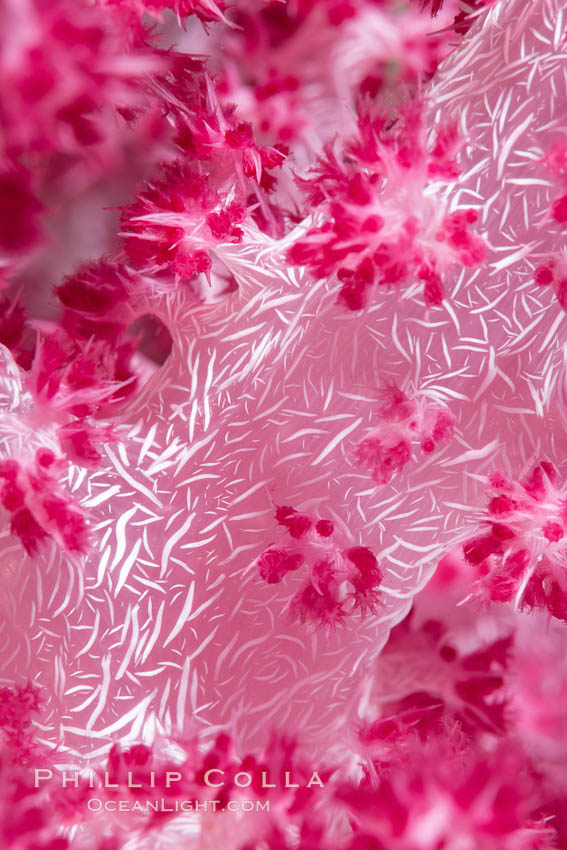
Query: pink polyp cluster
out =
(521, 556)
(554, 274)
(68, 70)
(371, 233)
(66, 61)
(38, 508)
(449, 686)
(184, 200)
(483, 804)
(341, 581)
(387, 449)
(77, 373)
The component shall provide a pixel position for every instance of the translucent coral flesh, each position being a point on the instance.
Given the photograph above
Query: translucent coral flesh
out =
(348, 260)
